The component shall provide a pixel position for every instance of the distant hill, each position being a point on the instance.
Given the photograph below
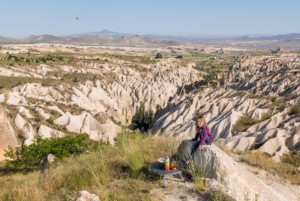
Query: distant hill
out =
(111, 38)
(6, 40)
(104, 32)
(104, 37)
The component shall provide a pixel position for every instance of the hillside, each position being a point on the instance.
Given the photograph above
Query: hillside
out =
(109, 39)
(250, 100)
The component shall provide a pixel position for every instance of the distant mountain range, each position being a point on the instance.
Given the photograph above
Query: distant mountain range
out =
(107, 37)
(104, 37)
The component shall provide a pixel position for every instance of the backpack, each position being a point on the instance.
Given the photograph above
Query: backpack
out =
(210, 138)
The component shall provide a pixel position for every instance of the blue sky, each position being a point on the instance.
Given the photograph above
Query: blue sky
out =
(168, 17)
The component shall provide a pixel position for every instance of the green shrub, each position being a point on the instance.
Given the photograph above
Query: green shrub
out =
(29, 157)
(199, 172)
(273, 99)
(201, 185)
(211, 77)
(139, 122)
(50, 121)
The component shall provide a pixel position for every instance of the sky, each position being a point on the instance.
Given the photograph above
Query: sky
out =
(21, 18)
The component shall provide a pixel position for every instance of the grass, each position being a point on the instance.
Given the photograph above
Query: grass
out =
(287, 168)
(8, 82)
(202, 186)
(218, 195)
(284, 169)
(243, 124)
(246, 122)
(11, 81)
(117, 172)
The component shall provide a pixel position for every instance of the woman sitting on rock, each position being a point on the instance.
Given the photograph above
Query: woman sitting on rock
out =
(203, 136)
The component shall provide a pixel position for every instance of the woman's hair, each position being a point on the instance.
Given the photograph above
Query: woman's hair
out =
(202, 119)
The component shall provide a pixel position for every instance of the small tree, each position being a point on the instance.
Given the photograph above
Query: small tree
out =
(210, 77)
(141, 114)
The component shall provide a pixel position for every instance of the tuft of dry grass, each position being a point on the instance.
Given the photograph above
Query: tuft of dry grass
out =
(243, 124)
(218, 195)
(295, 109)
(263, 161)
(287, 168)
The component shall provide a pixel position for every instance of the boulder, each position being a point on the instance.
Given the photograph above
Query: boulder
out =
(86, 196)
(239, 182)
(46, 132)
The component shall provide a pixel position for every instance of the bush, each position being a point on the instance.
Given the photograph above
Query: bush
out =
(201, 185)
(295, 109)
(273, 99)
(50, 121)
(211, 77)
(29, 157)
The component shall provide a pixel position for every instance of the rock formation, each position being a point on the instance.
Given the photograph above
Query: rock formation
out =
(7, 134)
(86, 196)
(233, 176)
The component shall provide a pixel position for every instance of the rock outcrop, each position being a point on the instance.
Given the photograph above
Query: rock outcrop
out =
(7, 134)
(97, 107)
(274, 129)
(86, 196)
(238, 181)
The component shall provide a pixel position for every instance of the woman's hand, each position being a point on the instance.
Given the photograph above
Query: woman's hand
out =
(201, 147)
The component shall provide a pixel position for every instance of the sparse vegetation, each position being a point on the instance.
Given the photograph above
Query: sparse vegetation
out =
(10, 82)
(292, 158)
(30, 58)
(243, 124)
(246, 122)
(211, 78)
(202, 186)
(198, 173)
(287, 168)
(111, 172)
(50, 121)
(218, 195)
